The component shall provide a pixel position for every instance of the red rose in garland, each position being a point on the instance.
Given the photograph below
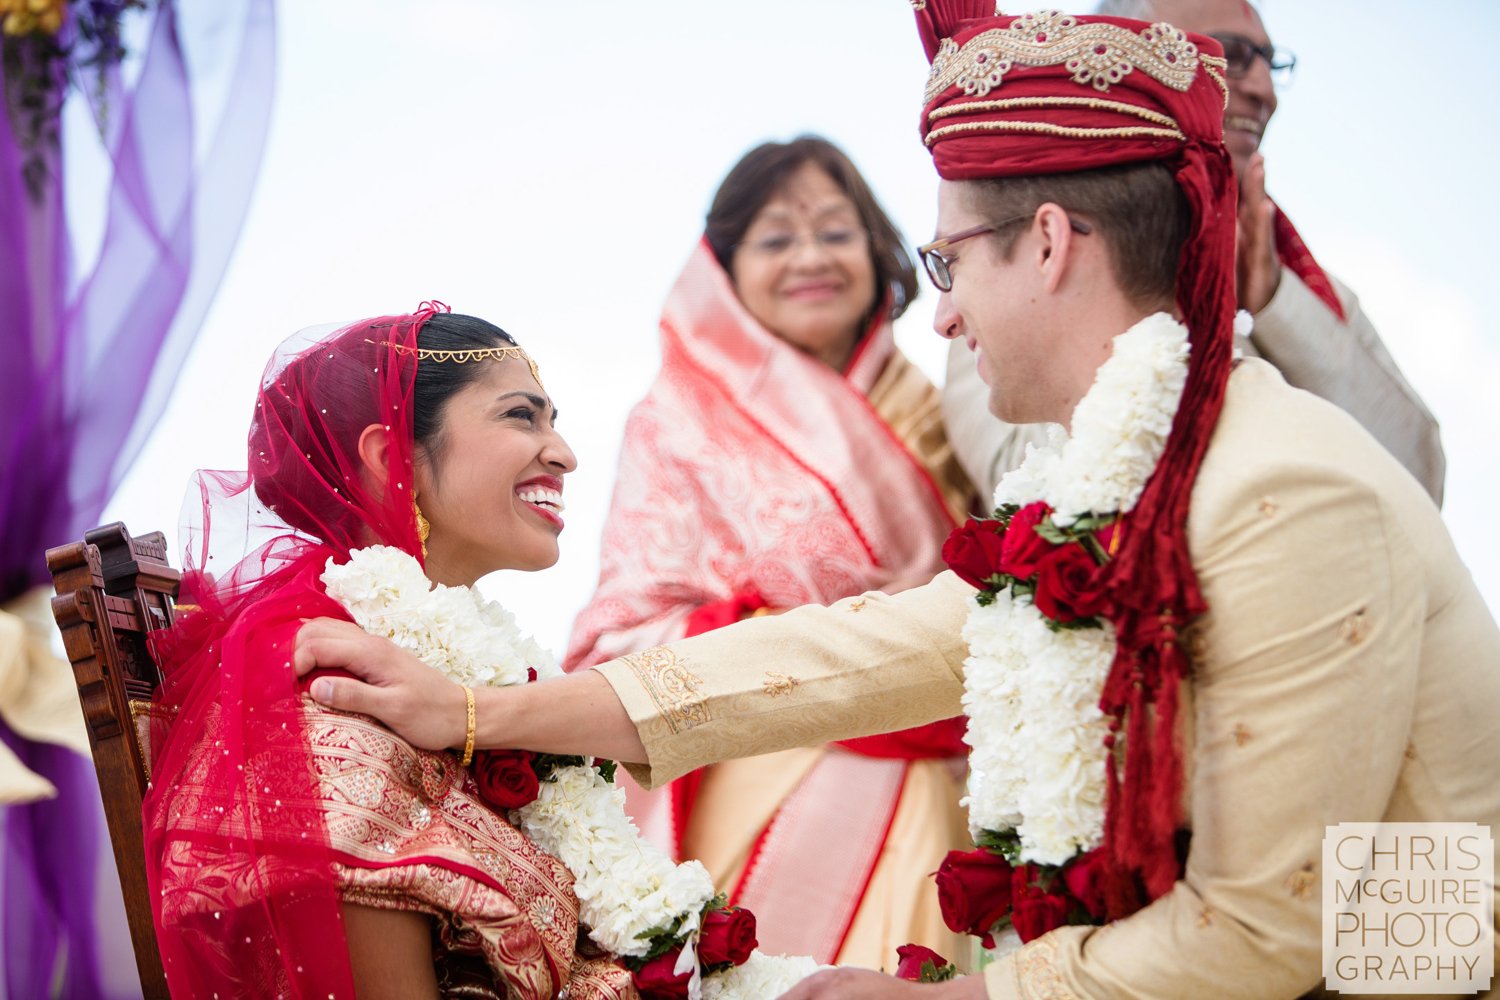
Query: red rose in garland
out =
(1084, 878)
(1023, 548)
(728, 936)
(506, 778)
(973, 551)
(1070, 584)
(911, 958)
(974, 892)
(1036, 915)
(1036, 910)
(656, 981)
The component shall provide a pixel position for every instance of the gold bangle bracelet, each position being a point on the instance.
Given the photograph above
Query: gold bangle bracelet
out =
(468, 737)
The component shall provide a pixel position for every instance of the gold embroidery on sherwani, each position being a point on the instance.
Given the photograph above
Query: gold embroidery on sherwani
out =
(1241, 734)
(1354, 628)
(1300, 883)
(1036, 969)
(777, 685)
(1269, 507)
(1193, 640)
(858, 604)
(676, 691)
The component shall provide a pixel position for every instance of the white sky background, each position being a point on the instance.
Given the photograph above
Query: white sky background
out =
(546, 166)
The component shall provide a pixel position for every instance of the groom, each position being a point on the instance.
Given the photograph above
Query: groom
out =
(1299, 643)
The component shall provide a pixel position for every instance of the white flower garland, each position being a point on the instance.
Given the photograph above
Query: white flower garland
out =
(1031, 692)
(625, 885)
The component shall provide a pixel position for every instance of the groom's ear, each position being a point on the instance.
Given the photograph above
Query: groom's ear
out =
(374, 454)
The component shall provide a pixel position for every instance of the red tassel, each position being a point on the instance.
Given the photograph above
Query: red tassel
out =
(1152, 579)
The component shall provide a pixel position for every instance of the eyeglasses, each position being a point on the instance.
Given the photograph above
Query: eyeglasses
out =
(1240, 53)
(937, 264)
(833, 240)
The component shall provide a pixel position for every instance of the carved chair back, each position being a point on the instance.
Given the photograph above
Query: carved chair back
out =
(113, 592)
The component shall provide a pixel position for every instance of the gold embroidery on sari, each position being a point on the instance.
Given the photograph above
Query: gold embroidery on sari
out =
(414, 819)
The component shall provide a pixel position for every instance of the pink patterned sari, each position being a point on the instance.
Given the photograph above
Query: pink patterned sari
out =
(755, 476)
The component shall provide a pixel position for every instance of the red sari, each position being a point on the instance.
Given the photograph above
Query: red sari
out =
(755, 476)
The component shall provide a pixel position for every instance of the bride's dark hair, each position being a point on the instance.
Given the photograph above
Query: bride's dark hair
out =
(438, 383)
(304, 440)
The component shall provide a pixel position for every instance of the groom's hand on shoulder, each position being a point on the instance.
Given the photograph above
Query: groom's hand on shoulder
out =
(389, 683)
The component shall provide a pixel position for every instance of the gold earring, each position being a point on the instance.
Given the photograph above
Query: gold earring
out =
(423, 527)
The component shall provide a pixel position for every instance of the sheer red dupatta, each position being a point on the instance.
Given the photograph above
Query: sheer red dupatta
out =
(238, 852)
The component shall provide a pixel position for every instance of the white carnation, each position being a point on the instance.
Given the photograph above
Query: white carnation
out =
(1244, 323)
(452, 629)
(1024, 483)
(1063, 750)
(1120, 426)
(1038, 760)
(626, 886)
(992, 701)
(762, 976)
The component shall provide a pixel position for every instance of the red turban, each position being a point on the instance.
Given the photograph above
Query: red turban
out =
(1052, 93)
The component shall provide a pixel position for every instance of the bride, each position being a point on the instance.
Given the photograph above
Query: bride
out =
(298, 851)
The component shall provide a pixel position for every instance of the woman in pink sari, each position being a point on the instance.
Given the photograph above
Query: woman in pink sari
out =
(789, 454)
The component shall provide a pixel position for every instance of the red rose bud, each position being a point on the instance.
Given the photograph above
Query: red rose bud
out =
(973, 551)
(1038, 914)
(530, 675)
(974, 892)
(728, 936)
(656, 981)
(1023, 547)
(1084, 878)
(911, 958)
(506, 778)
(1070, 585)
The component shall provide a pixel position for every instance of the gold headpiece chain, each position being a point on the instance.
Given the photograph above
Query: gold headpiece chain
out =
(465, 356)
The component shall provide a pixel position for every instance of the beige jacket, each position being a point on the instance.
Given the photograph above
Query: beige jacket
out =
(1347, 670)
(1343, 362)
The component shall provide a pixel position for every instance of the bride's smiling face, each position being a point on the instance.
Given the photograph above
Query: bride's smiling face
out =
(491, 482)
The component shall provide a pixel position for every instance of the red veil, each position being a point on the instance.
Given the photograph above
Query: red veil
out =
(237, 847)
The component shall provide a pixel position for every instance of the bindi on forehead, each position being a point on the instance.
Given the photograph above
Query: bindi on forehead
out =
(814, 209)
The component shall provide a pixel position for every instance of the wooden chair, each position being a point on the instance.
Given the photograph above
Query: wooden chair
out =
(113, 591)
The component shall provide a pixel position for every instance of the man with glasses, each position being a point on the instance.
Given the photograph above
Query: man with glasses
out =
(1307, 323)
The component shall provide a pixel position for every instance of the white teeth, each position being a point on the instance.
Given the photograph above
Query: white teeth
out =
(542, 497)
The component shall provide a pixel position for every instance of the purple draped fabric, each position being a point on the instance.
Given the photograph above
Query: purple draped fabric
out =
(88, 361)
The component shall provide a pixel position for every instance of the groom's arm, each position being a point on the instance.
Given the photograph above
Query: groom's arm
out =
(870, 664)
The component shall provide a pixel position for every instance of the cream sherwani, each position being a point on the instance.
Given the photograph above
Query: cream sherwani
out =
(1347, 670)
(1342, 361)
